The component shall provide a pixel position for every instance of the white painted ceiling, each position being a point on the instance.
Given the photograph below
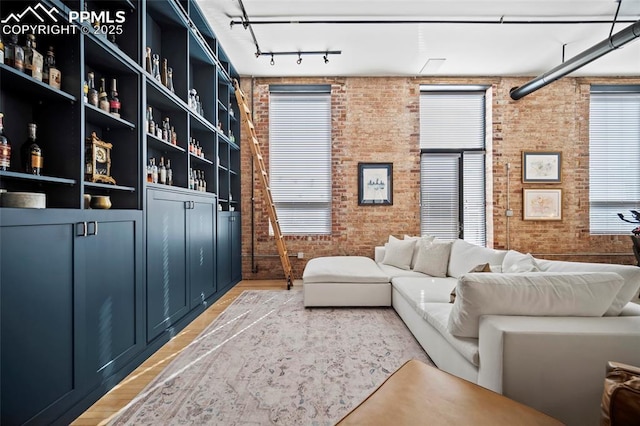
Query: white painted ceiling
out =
(390, 49)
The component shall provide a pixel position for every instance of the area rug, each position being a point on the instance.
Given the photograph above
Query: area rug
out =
(268, 360)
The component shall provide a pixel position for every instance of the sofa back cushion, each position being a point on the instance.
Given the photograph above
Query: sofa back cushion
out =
(530, 294)
(399, 253)
(630, 274)
(433, 258)
(515, 262)
(466, 256)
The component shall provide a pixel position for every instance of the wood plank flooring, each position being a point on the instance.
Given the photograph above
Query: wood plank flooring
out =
(106, 407)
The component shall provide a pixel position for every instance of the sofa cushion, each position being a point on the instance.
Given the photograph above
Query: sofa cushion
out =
(531, 294)
(424, 289)
(343, 269)
(630, 274)
(515, 262)
(426, 239)
(485, 267)
(399, 253)
(465, 256)
(433, 258)
(393, 272)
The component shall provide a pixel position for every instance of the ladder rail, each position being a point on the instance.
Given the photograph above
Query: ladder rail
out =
(264, 183)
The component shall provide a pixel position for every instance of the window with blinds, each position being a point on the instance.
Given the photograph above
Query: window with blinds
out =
(452, 166)
(614, 157)
(300, 158)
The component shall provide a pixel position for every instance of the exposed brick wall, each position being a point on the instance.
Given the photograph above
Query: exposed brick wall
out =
(376, 119)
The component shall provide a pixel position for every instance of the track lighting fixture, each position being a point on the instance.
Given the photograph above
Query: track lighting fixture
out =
(326, 60)
(300, 53)
(299, 61)
(272, 62)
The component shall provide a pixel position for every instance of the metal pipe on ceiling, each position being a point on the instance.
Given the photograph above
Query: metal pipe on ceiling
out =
(246, 21)
(617, 40)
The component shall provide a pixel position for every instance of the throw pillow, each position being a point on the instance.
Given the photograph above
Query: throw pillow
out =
(398, 253)
(433, 259)
(465, 256)
(426, 238)
(530, 294)
(515, 262)
(485, 267)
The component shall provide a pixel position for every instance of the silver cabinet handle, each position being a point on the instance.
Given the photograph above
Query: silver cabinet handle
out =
(95, 228)
(84, 229)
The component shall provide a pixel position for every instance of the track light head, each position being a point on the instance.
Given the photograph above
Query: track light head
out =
(326, 59)
(272, 62)
(299, 61)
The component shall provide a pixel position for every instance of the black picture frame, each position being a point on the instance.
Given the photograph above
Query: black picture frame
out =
(375, 184)
(541, 167)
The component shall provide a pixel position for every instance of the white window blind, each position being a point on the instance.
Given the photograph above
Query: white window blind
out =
(300, 161)
(452, 171)
(614, 156)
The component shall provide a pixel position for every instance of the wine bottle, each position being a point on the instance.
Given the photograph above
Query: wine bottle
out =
(148, 66)
(28, 53)
(154, 171)
(149, 172)
(92, 93)
(103, 99)
(31, 152)
(162, 172)
(151, 125)
(18, 54)
(156, 67)
(170, 80)
(165, 74)
(114, 102)
(5, 147)
(169, 173)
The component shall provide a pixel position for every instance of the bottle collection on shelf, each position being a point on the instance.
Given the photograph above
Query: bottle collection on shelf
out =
(160, 174)
(232, 138)
(164, 130)
(98, 98)
(195, 148)
(30, 154)
(152, 66)
(197, 180)
(194, 102)
(28, 60)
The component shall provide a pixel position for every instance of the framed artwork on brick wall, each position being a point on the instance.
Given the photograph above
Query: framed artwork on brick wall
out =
(375, 184)
(541, 167)
(542, 204)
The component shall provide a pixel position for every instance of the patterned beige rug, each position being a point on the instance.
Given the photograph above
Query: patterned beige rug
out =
(268, 360)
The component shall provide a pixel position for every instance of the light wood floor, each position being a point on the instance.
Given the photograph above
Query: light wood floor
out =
(106, 407)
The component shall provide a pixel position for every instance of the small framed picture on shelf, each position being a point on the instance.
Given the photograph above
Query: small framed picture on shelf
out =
(541, 167)
(542, 204)
(375, 184)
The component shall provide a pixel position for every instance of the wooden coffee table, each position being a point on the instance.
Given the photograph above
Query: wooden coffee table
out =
(418, 394)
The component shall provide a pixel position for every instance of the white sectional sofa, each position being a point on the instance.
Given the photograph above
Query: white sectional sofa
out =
(540, 332)
(518, 345)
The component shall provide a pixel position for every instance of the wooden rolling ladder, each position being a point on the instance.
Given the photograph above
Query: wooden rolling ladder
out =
(245, 111)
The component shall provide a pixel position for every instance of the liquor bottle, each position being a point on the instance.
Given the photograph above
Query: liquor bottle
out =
(166, 129)
(170, 80)
(114, 102)
(151, 125)
(154, 171)
(204, 183)
(149, 172)
(93, 93)
(85, 91)
(31, 152)
(1, 50)
(49, 63)
(169, 173)
(162, 172)
(174, 136)
(5, 147)
(18, 54)
(191, 180)
(148, 65)
(9, 52)
(165, 74)
(156, 66)
(29, 47)
(103, 99)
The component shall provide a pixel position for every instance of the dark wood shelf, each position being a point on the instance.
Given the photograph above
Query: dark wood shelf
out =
(36, 178)
(109, 187)
(19, 82)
